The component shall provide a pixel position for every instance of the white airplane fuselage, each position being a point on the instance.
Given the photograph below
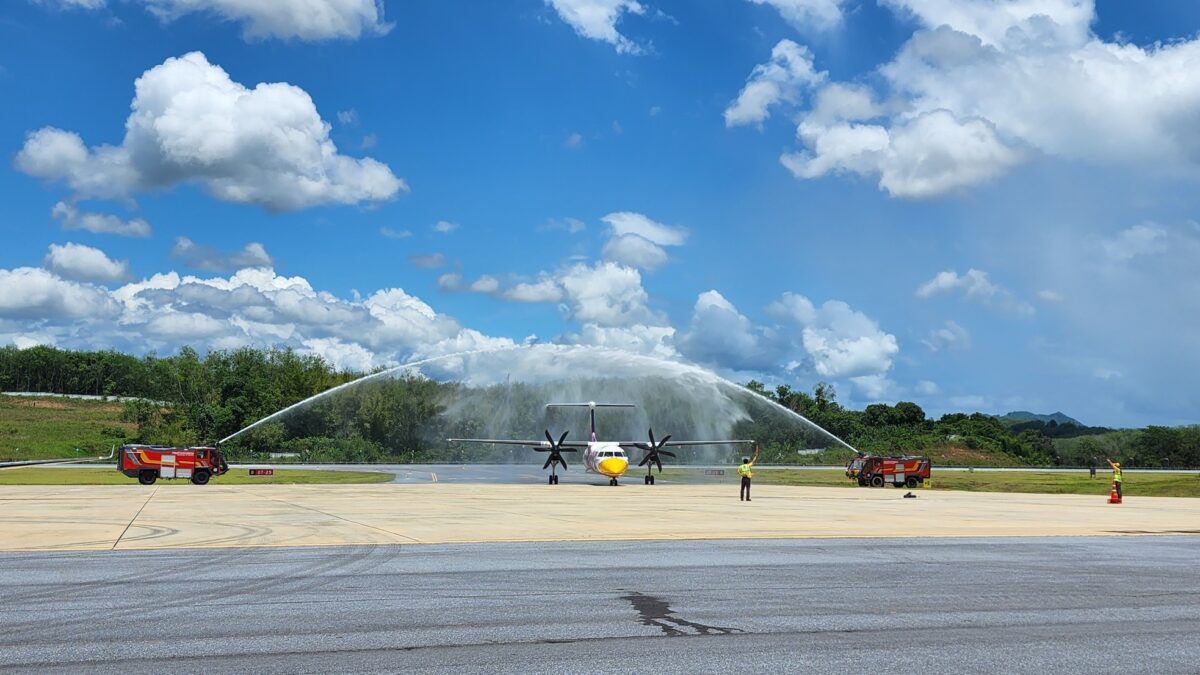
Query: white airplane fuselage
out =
(608, 459)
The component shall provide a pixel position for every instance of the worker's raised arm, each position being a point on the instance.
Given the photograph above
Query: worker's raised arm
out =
(755, 457)
(1111, 463)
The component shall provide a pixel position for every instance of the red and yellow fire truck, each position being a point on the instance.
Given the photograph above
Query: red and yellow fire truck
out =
(908, 471)
(148, 463)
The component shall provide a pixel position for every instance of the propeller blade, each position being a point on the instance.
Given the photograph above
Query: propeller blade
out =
(564, 462)
(540, 449)
(549, 438)
(659, 460)
(664, 440)
(562, 438)
(547, 464)
(568, 449)
(651, 432)
(645, 459)
(668, 453)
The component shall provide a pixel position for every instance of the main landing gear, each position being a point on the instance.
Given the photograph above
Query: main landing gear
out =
(553, 479)
(612, 481)
(649, 479)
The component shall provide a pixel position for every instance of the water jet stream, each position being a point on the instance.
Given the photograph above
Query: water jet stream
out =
(547, 361)
(352, 383)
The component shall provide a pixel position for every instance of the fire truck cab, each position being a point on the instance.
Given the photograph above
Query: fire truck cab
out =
(148, 463)
(908, 471)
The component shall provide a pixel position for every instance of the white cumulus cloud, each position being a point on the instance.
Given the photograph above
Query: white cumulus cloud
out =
(191, 123)
(635, 240)
(976, 286)
(210, 259)
(842, 342)
(301, 19)
(720, 335)
(544, 289)
(38, 295)
(597, 20)
(806, 14)
(606, 294)
(84, 263)
(635, 251)
(981, 87)
(949, 336)
(485, 284)
(100, 223)
(789, 72)
(1142, 239)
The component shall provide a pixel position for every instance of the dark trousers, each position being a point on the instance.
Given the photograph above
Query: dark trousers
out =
(745, 493)
(1118, 484)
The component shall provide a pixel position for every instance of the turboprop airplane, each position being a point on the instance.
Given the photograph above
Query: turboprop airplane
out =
(607, 458)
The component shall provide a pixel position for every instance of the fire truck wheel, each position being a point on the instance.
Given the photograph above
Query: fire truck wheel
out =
(200, 477)
(147, 477)
(911, 482)
(876, 481)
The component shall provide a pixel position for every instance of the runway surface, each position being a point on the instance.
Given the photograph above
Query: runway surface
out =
(1095, 604)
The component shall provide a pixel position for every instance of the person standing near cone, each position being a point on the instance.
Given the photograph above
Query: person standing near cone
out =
(1116, 469)
(745, 472)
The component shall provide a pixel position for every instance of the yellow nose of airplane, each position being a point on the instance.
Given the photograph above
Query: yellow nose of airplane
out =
(613, 467)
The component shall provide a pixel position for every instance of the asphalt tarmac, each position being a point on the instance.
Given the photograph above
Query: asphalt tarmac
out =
(1081, 604)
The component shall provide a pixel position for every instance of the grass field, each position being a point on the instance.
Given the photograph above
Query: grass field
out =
(44, 428)
(1137, 484)
(110, 476)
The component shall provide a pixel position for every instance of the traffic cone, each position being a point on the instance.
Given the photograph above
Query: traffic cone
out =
(1114, 498)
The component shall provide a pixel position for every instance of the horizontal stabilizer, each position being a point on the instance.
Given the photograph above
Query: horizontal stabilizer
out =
(590, 404)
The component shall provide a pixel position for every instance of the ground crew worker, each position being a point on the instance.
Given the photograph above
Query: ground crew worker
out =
(1116, 467)
(746, 474)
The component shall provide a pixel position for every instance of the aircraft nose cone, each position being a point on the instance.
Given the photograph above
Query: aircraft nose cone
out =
(613, 466)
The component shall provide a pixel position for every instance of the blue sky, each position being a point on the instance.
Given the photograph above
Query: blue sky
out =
(974, 205)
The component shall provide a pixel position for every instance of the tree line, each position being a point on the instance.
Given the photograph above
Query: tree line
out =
(186, 399)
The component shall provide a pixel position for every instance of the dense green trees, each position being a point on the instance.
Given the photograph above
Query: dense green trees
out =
(185, 399)
(188, 399)
(903, 428)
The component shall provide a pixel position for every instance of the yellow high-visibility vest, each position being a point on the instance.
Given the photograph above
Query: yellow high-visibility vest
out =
(1117, 475)
(745, 471)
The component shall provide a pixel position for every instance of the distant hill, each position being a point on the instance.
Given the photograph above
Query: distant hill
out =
(1018, 416)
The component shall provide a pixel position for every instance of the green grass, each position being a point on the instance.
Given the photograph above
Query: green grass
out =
(110, 476)
(1076, 483)
(50, 427)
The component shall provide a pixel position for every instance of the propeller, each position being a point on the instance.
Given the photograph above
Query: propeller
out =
(653, 450)
(555, 450)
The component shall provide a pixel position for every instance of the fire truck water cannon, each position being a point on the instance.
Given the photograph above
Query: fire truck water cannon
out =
(148, 463)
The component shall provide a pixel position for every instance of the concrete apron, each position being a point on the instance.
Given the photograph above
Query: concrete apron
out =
(41, 518)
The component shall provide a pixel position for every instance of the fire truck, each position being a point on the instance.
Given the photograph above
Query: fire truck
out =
(908, 471)
(148, 463)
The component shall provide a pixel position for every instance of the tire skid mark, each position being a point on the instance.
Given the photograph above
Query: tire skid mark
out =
(334, 515)
(307, 577)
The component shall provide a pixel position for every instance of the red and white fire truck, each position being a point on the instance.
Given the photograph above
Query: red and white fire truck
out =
(148, 463)
(908, 471)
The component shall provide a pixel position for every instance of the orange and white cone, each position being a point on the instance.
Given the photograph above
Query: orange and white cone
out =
(1114, 497)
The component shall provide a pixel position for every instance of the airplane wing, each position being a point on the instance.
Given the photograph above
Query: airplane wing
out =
(509, 441)
(669, 444)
